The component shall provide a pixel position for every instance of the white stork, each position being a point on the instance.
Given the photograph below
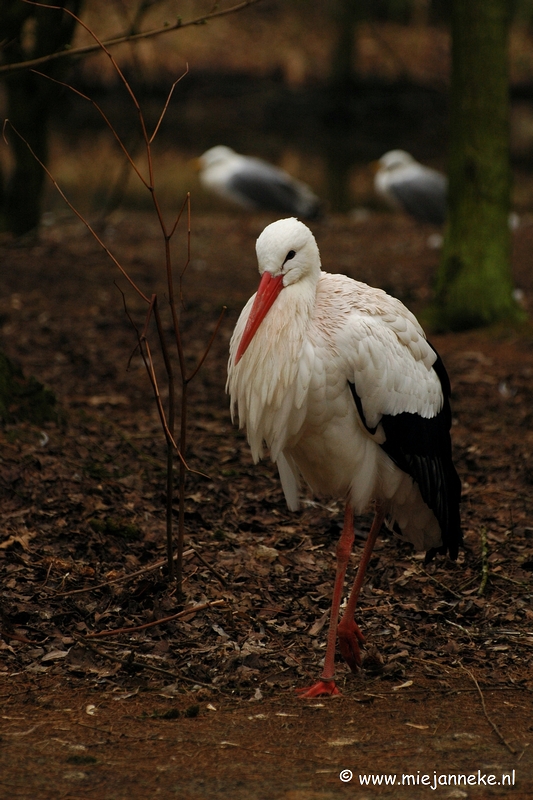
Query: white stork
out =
(340, 383)
(412, 187)
(255, 184)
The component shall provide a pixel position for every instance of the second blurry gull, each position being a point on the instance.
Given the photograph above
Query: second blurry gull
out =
(418, 190)
(256, 185)
(406, 184)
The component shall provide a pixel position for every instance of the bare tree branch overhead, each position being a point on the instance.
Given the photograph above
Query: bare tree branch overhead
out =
(9, 69)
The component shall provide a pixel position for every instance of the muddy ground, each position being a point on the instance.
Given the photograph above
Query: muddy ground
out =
(203, 705)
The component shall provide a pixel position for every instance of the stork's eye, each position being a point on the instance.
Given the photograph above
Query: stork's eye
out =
(290, 255)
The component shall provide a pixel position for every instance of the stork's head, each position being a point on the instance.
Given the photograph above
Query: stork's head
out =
(286, 253)
(287, 248)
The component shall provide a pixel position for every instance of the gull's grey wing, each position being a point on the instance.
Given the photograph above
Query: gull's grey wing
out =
(423, 196)
(268, 188)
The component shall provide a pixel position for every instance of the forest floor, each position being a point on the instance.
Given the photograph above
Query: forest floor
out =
(203, 706)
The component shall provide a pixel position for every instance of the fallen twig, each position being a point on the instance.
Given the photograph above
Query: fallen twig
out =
(18, 637)
(123, 578)
(484, 561)
(493, 725)
(209, 566)
(180, 614)
(443, 585)
(128, 663)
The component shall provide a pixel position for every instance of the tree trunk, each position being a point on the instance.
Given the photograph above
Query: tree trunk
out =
(29, 116)
(345, 15)
(474, 285)
(29, 99)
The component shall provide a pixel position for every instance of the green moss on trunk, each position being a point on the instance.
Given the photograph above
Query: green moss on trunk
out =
(474, 285)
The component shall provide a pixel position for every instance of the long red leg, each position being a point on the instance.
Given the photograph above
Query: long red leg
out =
(326, 684)
(348, 630)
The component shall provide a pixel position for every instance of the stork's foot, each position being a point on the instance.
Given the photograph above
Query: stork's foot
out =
(319, 689)
(350, 637)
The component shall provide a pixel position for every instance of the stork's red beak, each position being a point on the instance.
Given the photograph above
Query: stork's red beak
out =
(269, 288)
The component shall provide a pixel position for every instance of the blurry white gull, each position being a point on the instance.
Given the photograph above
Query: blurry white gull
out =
(408, 185)
(254, 184)
(418, 190)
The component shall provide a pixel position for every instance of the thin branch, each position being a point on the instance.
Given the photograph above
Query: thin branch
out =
(484, 561)
(150, 369)
(168, 364)
(185, 204)
(209, 566)
(146, 354)
(170, 452)
(209, 344)
(144, 6)
(170, 287)
(104, 117)
(18, 637)
(442, 585)
(181, 509)
(188, 261)
(164, 111)
(123, 578)
(142, 338)
(149, 365)
(128, 663)
(150, 184)
(126, 85)
(8, 69)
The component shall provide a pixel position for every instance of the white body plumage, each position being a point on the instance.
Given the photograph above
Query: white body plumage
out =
(292, 387)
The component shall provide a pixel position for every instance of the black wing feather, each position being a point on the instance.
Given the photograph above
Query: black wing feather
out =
(423, 449)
